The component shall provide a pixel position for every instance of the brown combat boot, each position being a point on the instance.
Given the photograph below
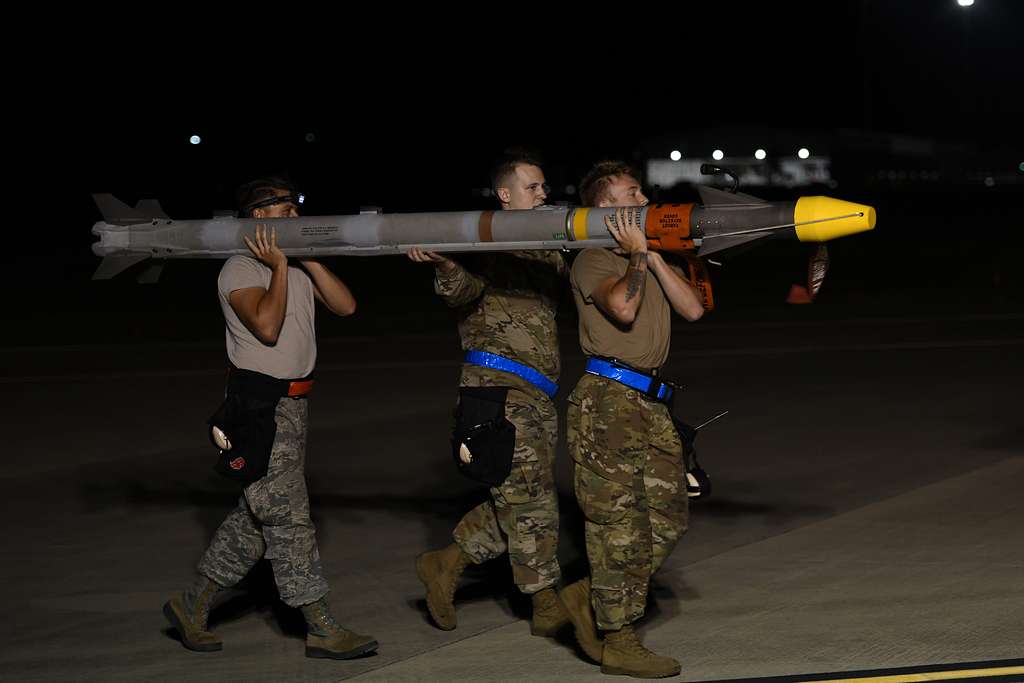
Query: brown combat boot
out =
(548, 613)
(576, 600)
(188, 614)
(439, 570)
(625, 655)
(327, 638)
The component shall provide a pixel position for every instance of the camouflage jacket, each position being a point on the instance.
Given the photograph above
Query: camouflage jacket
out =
(508, 309)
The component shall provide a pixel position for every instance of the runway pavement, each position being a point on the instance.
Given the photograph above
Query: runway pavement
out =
(866, 514)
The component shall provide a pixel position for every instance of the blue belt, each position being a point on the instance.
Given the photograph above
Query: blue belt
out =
(493, 360)
(651, 387)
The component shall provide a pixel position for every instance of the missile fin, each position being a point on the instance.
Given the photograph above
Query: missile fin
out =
(709, 196)
(117, 212)
(151, 274)
(112, 265)
(151, 209)
(710, 246)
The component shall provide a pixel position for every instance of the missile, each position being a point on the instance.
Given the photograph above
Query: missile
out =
(721, 221)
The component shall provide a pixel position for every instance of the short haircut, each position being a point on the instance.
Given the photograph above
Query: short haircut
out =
(506, 164)
(260, 189)
(594, 185)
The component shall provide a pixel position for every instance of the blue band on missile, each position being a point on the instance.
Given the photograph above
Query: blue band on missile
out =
(651, 387)
(493, 360)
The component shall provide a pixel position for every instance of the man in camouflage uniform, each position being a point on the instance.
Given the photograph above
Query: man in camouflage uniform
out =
(268, 311)
(629, 472)
(508, 312)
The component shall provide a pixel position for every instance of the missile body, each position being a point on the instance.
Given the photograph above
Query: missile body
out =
(130, 235)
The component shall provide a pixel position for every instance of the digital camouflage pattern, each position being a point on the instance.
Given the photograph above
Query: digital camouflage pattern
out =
(272, 520)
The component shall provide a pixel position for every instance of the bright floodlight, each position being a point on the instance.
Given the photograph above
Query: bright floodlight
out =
(718, 155)
(195, 139)
(803, 153)
(965, 3)
(760, 154)
(676, 155)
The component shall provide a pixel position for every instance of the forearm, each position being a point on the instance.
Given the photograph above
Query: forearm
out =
(334, 293)
(457, 286)
(680, 294)
(627, 293)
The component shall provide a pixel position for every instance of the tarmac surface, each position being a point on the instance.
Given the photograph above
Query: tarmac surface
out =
(866, 515)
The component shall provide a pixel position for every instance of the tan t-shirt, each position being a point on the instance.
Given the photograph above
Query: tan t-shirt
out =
(644, 344)
(294, 354)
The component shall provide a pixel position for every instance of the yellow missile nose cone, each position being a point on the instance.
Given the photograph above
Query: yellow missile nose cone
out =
(820, 219)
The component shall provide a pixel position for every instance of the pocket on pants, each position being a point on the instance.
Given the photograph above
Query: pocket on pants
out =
(602, 500)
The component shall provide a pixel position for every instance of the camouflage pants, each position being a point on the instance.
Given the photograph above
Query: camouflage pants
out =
(524, 509)
(272, 520)
(631, 486)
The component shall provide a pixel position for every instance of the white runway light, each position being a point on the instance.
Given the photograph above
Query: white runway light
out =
(718, 155)
(195, 139)
(760, 154)
(803, 153)
(676, 155)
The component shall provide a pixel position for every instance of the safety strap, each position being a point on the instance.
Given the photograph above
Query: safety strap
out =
(493, 360)
(651, 387)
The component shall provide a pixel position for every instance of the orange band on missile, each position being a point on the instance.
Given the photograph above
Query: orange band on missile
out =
(668, 227)
(579, 223)
(487, 226)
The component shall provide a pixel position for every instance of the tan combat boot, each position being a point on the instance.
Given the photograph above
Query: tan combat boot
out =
(548, 613)
(327, 638)
(188, 614)
(625, 655)
(439, 570)
(576, 600)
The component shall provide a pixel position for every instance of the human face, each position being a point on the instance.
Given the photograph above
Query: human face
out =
(285, 209)
(525, 189)
(623, 190)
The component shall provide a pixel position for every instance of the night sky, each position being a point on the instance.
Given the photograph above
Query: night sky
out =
(408, 115)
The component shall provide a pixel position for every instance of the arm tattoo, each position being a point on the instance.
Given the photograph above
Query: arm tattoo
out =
(636, 275)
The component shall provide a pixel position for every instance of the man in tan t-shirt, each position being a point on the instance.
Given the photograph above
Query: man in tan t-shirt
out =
(271, 343)
(629, 477)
